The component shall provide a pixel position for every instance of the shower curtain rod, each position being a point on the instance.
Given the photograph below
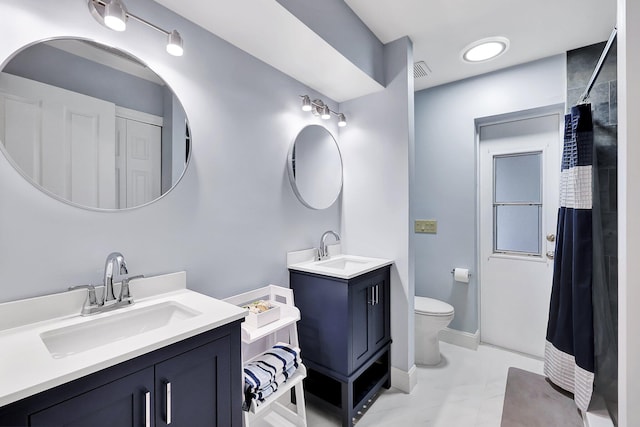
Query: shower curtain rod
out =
(598, 68)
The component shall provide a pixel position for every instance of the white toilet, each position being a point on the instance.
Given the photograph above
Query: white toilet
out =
(432, 315)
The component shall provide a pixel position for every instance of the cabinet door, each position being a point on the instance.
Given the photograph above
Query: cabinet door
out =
(379, 325)
(199, 382)
(370, 321)
(119, 403)
(360, 295)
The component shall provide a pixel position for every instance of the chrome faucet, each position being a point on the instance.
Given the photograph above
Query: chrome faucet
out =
(115, 266)
(323, 252)
(114, 259)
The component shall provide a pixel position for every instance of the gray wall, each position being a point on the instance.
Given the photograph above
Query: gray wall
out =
(377, 151)
(231, 219)
(445, 177)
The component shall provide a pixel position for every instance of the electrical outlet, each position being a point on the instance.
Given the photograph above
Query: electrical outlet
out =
(426, 226)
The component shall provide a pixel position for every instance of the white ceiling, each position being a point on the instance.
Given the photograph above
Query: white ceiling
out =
(439, 29)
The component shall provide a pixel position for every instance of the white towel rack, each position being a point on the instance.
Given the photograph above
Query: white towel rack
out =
(277, 410)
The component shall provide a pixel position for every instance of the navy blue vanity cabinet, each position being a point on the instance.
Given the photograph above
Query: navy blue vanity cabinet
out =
(370, 320)
(196, 382)
(199, 383)
(345, 337)
(118, 403)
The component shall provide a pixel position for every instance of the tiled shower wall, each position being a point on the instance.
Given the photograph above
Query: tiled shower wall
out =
(603, 98)
(580, 65)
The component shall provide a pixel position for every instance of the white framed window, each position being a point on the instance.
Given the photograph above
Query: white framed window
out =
(517, 204)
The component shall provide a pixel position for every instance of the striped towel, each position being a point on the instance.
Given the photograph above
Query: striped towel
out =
(264, 374)
(259, 395)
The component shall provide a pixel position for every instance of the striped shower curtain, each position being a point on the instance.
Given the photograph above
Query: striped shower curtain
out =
(569, 351)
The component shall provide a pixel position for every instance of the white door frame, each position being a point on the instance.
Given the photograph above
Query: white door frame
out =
(492, 120)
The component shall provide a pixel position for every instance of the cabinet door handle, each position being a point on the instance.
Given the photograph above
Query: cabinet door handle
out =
(147, 409)
(167, 388)
(377, 294)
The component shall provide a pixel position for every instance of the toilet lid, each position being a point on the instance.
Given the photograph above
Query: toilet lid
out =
(432, 307)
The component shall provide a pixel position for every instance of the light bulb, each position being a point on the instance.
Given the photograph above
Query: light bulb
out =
(115, 15)
(342, 120)
(306, 103)
(174, 44)
(326, 113)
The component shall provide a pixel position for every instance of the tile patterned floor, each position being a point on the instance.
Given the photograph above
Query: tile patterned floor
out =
(465, 390)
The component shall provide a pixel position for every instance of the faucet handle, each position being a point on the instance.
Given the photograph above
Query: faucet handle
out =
(125, 294)
(91, 296)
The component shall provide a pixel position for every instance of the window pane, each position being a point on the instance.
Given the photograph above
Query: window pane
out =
(517, 178)
(518, 229)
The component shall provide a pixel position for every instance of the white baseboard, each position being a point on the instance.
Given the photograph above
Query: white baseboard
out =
(460, 338)
(404, 381)
(598, 414)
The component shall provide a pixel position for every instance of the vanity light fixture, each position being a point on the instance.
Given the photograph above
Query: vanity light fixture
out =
(485, 49)
(113, 14)
(326, 113)
(306, 103)
(319, 108)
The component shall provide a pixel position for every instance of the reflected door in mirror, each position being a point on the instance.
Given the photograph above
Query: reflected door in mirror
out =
(138, 162)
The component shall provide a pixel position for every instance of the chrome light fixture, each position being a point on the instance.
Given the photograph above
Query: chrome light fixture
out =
(326, 113)
(174, 43)
(113, 14)
(306, 103)
(319, 108)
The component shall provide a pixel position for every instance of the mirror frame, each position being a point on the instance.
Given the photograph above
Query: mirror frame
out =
(47, 192)
(292, 178)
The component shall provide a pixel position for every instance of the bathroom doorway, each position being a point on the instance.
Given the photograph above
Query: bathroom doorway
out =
(519, 172)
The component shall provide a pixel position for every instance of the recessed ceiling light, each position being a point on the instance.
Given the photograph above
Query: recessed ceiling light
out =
(485, 49)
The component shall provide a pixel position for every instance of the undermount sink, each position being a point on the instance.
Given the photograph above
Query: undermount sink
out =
(341, 266)
(343, 263)
(115, 326)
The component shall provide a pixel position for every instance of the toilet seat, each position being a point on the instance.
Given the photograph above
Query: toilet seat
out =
(432, 307)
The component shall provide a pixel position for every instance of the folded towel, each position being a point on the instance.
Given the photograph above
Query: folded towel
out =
(264, 374)
(260, 395)
(265, 368)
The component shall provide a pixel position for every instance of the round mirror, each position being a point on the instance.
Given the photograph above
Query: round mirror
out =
(91, 125)
(315, 167)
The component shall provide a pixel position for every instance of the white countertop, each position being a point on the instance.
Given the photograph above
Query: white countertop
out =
(338, 265)
(27, 367)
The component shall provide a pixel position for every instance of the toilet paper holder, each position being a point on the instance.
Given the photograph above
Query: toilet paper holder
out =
(454, 270)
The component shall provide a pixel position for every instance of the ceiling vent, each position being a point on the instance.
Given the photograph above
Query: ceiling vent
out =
(420, 69)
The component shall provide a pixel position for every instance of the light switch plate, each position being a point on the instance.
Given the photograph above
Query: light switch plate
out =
(429, 226)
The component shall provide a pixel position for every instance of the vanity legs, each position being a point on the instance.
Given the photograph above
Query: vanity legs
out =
(350, 395)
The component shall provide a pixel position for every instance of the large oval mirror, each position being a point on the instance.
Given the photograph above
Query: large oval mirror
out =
(91, 125)
(315, 167)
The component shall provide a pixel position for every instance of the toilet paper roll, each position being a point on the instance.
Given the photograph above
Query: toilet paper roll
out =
(461, 275)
